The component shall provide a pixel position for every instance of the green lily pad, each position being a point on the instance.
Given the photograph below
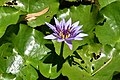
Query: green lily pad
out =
(48, 70)
(6, 57)
(104, 3)
(110, 31)
(74, 72)
(27, 73)
(2, 2)
(107, 71)
(81, 13)
(7, 76)
(8, 15)
(30, 42)
(35, 6)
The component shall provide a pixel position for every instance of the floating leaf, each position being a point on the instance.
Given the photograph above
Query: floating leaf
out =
(30, 42)
(48, 70)
(2, 2)
(104, 3)
(28, 73)
(74, 72)
(35, 6)
(51, 65)
(66, 50)
(10, 34)
(8, 16)
(81, 13)
(53, 8)
(110, 31)
(106, 71)
(6, 57)
(7, 76)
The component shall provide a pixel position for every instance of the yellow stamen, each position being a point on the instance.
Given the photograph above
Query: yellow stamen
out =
(64, 36)
(61, 34)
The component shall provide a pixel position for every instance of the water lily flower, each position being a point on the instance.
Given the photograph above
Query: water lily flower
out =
(65, 31)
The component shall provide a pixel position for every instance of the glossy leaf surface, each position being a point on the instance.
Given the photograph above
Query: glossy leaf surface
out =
(8, 16)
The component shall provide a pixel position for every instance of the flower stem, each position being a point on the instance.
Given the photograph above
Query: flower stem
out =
(61, 50)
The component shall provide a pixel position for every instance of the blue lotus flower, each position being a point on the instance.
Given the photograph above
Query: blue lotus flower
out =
(65, 31)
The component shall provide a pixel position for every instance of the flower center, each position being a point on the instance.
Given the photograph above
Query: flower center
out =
(64, 34)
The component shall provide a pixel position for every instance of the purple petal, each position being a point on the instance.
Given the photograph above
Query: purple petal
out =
(56, 22)
(68, 23)
(62, 23)
(69, 43)
(75, 24)
(51, 26)
(51, 36)
(78, 38)
(75, 38)
(69, 39)
(78, 27)
(56, 34)
(60, 40)
(81, 35)
(76, 30)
